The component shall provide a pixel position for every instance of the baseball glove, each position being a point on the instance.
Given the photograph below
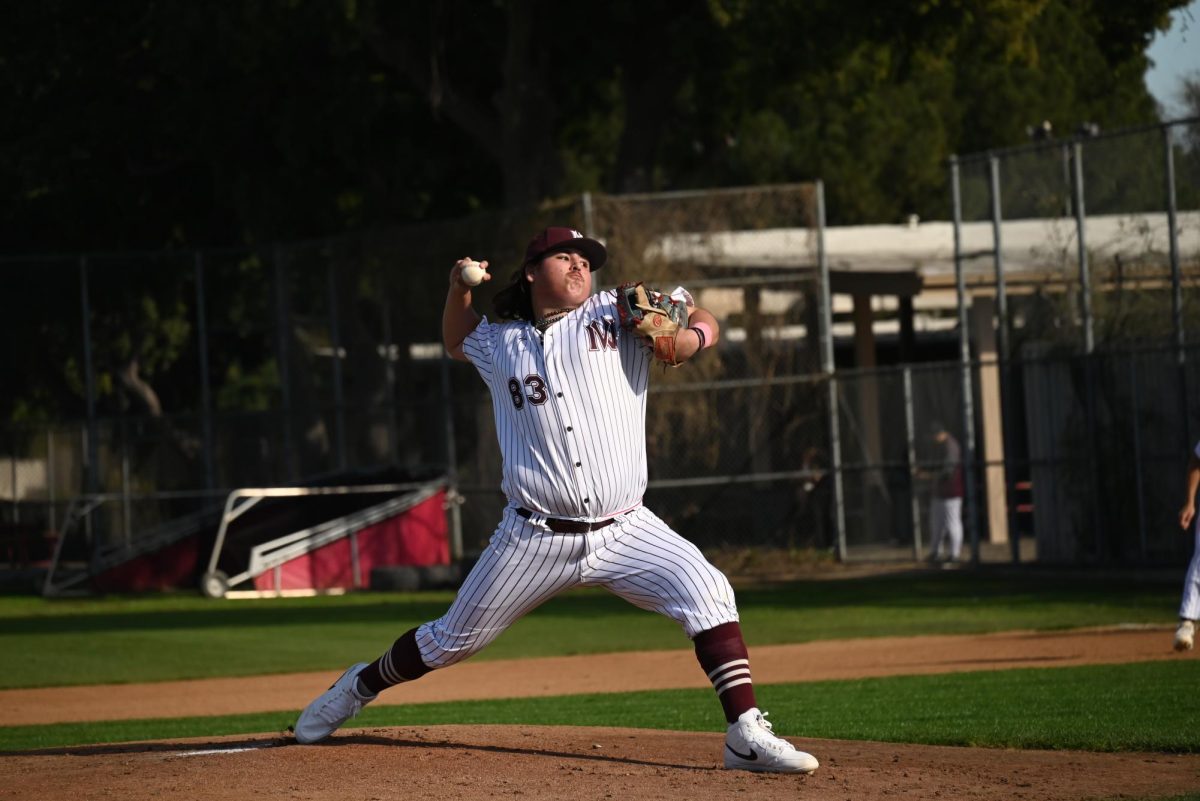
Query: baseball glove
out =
(653, 316)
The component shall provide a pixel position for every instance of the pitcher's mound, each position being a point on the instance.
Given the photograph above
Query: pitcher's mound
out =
(543, 762)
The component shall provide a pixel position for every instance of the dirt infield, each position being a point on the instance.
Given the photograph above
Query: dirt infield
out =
(527, 762)
(475, 762)
(647, 670)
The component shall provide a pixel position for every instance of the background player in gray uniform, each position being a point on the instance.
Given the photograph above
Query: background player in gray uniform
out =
(568, 387)
(945, 497)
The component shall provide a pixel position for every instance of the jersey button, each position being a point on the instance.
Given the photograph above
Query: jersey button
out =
(579, 464)
(587, 500)
(570, 429)
(560, 394)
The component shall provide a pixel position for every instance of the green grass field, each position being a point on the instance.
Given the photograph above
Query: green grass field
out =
(155, 638)
(1137, 707)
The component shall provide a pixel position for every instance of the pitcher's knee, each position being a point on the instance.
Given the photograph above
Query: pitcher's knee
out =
(442, 646)
(702, 614)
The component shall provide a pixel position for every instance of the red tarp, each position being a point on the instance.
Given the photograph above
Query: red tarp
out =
(417, 536)
(172, 567)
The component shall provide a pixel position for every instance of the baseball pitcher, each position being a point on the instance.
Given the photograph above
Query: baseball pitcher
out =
(568, 372)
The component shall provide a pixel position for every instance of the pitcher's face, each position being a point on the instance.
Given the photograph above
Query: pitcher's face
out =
(561, 279)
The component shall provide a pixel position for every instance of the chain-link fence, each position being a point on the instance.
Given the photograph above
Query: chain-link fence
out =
(1074, 279)
(1078, 263)
(186, 375)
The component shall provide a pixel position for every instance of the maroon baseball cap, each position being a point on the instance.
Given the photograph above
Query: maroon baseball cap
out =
(555, 239)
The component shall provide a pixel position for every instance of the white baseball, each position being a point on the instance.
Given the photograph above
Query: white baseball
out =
(471, 273)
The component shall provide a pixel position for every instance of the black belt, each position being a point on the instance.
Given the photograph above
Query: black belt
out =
(562, 526)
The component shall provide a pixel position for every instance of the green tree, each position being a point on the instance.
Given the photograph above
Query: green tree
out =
(170, 126)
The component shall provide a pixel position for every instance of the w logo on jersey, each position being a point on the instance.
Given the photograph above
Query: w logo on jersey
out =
(602, 334)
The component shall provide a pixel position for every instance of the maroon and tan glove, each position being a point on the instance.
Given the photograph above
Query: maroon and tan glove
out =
(653, 316)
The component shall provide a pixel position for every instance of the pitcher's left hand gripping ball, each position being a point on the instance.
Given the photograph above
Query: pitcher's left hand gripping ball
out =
(653, 316)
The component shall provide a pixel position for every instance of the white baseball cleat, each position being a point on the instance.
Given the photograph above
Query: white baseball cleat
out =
(750, 745)
(332, 708)
(1185, 635)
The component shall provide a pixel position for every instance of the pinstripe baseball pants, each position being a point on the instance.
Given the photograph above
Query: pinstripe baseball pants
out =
(637, 557)
(1189, 606)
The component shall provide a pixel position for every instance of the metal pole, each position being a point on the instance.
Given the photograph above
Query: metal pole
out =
(12, 462)
(1137, 454)
(126, 506)
(964, 356)
(454, 499)
(90, 455)
(829, 368)
(1007, 407)
(87, 513)
(51, 494)
(1176, 284)
(1173, 247)
(206, 421)
(1068, 210)
(335, 342)
(825, 318)
(1089, 344)
(998, 256)
(589, 217)
(910, 440)
(1085, 280)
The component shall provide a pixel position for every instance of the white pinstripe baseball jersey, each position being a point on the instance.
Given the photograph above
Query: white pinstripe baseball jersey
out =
(570, 410)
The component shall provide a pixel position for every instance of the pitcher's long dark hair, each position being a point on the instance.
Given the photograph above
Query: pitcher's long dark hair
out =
(514, 302)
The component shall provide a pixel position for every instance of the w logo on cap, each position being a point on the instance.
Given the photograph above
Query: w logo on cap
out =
(576, 234)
